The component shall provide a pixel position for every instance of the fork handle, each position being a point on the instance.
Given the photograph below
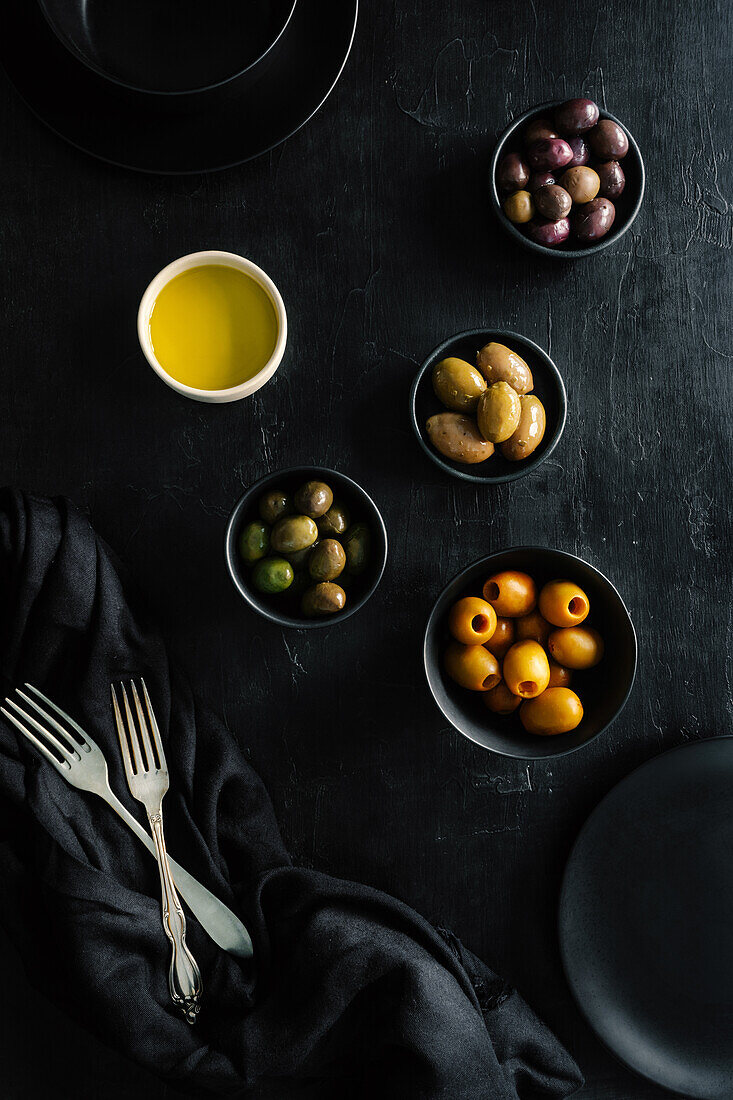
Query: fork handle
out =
(184, 977)
(222, 925)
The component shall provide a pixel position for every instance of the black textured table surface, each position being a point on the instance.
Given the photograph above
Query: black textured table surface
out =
(375, 223)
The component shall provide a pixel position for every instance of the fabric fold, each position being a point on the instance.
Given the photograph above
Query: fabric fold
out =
(353, 994)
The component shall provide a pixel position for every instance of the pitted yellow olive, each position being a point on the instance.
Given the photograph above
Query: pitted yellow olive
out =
(500, 699)
(576, 646)
(560, 677)
(563, 603)
(557, 710)
(502, 638)
(526, 670)
(511, 593)
(533, 626)
(472, 621)
(472, 666)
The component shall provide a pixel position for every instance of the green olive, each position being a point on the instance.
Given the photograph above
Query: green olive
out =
(275, 504)
(334, 522)
(457, 437)
(498, 412)
(498, 363)
(327, 561)
(272, 575)
(357, 545)
(313, 499)
(457, 384)
(293, 533)
(254, 541)
(323, 599)
(529, 431)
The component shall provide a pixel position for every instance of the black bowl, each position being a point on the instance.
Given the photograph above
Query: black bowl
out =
(627, 205)
(284, 608)
(169, 47)
(603, 690)
(548, 386)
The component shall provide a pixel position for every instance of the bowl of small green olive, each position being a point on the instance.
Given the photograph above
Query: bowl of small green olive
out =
(306, 546)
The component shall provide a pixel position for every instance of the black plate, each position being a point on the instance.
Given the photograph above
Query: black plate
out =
(548, 386)
(177, 134)
(168, 46)
(646, 920)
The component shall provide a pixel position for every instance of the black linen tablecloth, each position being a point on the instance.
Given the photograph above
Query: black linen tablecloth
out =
(353, 994)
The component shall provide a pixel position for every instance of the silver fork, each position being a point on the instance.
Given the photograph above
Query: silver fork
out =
(147, 778)
(81, 762)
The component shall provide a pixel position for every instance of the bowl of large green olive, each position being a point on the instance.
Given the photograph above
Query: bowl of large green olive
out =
(488, 406)
(567, 179)
(306, 546)
(530, 652)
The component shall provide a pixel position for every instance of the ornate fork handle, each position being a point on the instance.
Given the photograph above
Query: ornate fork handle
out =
(184, 977)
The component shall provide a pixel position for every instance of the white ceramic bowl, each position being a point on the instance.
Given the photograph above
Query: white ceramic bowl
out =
(199, 259)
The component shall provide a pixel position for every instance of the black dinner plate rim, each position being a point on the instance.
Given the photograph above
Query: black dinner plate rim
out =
(461, 576)
(207, 104)
(527, 242)
(527, 465)
(80, 56)
(565, 887)
(236, 572)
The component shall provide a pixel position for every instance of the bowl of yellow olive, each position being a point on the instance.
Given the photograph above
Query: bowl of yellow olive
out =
(530, 652)
(488, 406)
(306, 546)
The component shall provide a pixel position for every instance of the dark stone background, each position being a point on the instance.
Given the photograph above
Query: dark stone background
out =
(375, 223)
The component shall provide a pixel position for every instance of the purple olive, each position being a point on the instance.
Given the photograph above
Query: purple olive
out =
(512, 173)
(549, 234)
(549, 154)
(581, 152)
(539, 129)
(540, 179)
(576, 116)
(553, 202)
(612, 178)
(608, 141)
(593, 219)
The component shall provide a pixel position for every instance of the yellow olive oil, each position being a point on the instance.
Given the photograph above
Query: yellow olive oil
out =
(213, 327)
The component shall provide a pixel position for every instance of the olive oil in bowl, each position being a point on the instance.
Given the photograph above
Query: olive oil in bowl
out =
(213, 327)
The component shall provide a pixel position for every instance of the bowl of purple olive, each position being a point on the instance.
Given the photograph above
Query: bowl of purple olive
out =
(567, 179)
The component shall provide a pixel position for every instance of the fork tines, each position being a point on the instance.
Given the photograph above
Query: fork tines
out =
(140, 742)
(58, 744)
